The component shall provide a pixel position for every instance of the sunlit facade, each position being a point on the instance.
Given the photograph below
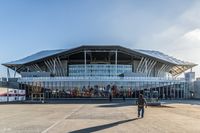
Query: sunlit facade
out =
(98, 71)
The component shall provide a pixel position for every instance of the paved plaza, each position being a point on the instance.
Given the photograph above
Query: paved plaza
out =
(118, 117)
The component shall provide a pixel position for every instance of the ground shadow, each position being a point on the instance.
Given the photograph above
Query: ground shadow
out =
(112, 105)
(162, 106)
(74, 101)
(102, 127)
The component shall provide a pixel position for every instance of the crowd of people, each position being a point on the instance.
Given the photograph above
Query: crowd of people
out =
(95, 91)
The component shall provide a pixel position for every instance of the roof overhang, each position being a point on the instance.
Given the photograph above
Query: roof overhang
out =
(178, 66)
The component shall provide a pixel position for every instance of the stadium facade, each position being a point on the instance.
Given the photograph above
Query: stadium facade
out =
(97, 71)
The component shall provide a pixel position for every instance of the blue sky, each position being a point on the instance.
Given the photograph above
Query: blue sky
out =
(29, 26)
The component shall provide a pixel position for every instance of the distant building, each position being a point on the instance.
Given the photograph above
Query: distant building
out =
(96, 71)
(190, 76)
(9, 90)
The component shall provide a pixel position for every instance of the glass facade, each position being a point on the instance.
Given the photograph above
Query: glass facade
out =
(60, 89)
(98, 70)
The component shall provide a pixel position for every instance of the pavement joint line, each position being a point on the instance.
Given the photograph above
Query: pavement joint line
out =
(65, 117)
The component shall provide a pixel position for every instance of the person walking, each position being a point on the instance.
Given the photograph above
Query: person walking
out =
(141, 103)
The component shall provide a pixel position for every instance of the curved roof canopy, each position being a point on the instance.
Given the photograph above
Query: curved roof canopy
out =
(155, 55)
(34, 57)
(164, 57)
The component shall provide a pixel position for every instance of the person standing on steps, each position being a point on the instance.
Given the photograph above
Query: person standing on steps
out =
(141, 103)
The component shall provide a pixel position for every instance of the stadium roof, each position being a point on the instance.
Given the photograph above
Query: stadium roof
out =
(50, 53)
(176, 66)
(164, 57)
(34, 57)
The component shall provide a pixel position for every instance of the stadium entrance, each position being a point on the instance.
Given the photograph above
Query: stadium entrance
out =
(102, 89)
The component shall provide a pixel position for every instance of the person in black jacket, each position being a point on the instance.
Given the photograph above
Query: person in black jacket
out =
(141, 103)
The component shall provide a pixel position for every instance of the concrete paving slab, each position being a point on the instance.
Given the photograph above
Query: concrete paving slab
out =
(177, 117)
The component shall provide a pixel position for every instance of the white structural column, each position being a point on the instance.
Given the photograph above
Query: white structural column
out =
(48, 66)
(161, 70)
(15, 72)
(50, 62)
(8, 72)
(85, 60)
(116, 62)
(139, 64)
(61, 67)
(54, 66)
(38, 68)
(146, 67)
(151, 67)
(57, 69)
(142, 67)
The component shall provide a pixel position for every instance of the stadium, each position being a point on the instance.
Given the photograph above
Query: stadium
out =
(95, 71)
